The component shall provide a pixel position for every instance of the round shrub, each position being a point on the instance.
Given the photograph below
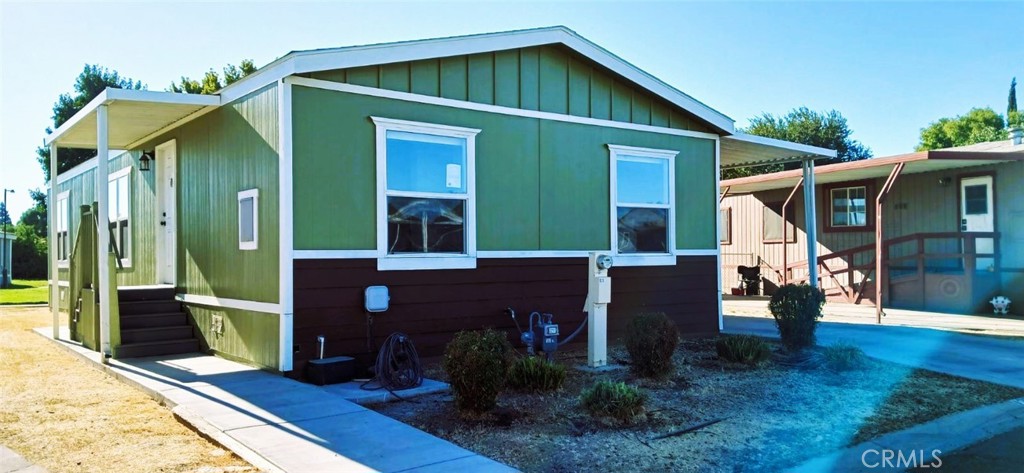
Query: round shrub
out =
(609, 399)
(476, 364)
(843, 356)
(534, 373)
(796, 310)
(746, 349)
(651, 340)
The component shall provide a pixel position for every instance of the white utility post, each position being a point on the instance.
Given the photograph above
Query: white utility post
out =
(599, 294)
(810, 223)
(51, 204)
(103, 230)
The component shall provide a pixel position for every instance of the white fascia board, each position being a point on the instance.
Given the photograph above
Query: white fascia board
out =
(796, 147)
(302, 62)
(84, 112)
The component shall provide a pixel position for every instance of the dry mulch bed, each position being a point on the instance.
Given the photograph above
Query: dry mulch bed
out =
(59, 412)
(775, 415)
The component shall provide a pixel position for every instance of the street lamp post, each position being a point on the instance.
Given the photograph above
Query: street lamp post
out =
(5, 271)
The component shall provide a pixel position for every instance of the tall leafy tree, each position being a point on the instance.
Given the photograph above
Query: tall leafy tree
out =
(90, 82)
(211, 81)
(35, 217)
(977, 126)
(803, 125)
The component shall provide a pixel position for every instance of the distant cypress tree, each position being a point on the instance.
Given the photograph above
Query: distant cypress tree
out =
(1011, 101)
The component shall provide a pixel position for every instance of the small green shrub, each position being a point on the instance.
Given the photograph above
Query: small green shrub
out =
(476, 364)
(743, 349)
(796, 310)
(534, 373)
(844, 357)
(609, 399)
(651, 340)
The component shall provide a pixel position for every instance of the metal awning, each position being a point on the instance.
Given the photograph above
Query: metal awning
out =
(741, 149)
(920, 162)
(134, 116)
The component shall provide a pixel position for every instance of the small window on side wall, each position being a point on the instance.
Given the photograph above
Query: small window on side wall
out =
(725, 226)
(248, 219)
(849, 207)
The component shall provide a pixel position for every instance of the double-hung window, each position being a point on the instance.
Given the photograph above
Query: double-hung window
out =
(426, 203)
(643, 205)
(119, 213)
(61, 219)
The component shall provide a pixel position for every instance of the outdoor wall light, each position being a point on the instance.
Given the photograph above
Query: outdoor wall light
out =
(944, 181)
(144, 160)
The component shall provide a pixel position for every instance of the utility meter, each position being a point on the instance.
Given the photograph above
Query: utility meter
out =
(604, 262)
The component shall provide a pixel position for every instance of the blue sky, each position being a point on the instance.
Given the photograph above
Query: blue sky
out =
(889, 68)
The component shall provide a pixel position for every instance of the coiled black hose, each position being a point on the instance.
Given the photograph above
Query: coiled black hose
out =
(398, 365)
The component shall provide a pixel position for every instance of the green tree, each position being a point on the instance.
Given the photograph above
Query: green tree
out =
(35, 217)
(1011, 101)
(5, 217)
(803, 125)
(90, 82)
(977, 126)
(211, 81)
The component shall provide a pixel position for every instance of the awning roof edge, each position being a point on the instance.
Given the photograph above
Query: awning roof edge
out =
(767, 151)
(112, 95)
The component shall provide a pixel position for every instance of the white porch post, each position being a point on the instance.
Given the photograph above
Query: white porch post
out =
(51, 213)
(103, 229)
(810, 222)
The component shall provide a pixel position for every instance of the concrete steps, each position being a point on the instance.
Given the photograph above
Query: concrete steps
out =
(153, 324)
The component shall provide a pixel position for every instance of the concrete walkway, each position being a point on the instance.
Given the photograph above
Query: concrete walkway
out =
(278, 424)
(992, 359)
(929, 443)
(11, 462)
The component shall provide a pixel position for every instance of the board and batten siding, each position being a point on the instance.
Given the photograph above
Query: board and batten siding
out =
(227, 150)
(541, 184)
(545, 78)
(142, 222)
(916, 204)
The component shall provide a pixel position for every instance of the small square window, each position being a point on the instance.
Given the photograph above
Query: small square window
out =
(248, 219)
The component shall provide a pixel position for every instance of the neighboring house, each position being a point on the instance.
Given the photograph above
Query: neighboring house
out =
(951, 226)
(467, 174)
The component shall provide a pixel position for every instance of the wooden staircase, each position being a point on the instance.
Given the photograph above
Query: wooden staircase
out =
(153, 323)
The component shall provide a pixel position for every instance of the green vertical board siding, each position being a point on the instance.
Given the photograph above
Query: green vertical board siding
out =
(541, 185)
(247, 336)
(425, 77)
(481, 78)
(395, 76)
(453, 78)
(579, 89)
(506, 78)
(141, 269)
(529, 79)
(228, 150)
(548, 78)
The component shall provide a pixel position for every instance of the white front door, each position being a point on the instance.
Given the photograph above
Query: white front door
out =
(977, 214)
(167, 243)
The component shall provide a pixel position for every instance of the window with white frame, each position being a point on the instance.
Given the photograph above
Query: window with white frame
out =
(849, 207)
(426, 203)
(643, 210)
(119, 213)
(248, 219)
(61, 220)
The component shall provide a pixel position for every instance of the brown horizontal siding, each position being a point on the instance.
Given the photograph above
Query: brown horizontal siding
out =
(431, 306)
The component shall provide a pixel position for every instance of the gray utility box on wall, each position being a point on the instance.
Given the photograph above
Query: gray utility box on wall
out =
(333, 370)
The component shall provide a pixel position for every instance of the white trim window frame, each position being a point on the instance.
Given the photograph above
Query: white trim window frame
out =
(63, 226)
(249, 240)
(418, 193)
(625, 250)
(849, 209)
(119, 212)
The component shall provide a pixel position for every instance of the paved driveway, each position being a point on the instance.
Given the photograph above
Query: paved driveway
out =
(997, 360)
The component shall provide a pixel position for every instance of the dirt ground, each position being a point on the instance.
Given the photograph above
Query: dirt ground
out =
(772, 417)
(60, 413)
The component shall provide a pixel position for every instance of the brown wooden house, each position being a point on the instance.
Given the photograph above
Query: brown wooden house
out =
(941, 230)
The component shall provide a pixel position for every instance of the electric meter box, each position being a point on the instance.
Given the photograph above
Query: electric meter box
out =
(604, 290)
(377, 298)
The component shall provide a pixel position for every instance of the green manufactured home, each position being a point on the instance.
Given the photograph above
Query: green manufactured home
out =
(467, 174)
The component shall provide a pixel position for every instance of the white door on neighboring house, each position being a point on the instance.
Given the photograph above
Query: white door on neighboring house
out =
(977, 214)
(166, 189)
